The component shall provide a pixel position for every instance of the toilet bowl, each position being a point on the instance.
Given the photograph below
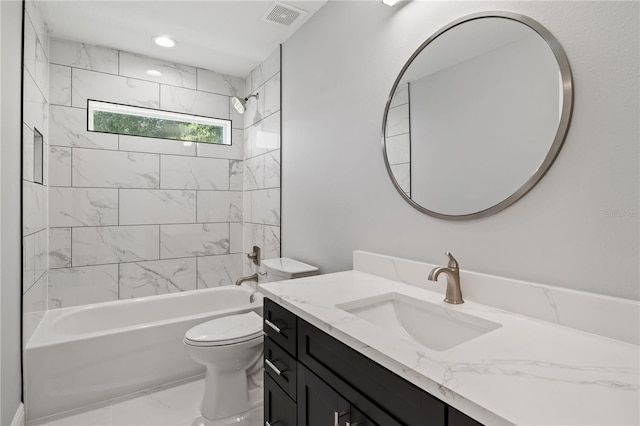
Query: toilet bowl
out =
(228, 347)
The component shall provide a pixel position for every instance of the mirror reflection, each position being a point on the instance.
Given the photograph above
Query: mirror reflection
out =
(475, 114)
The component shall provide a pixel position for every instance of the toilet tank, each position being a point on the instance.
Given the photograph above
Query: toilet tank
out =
(284, 268)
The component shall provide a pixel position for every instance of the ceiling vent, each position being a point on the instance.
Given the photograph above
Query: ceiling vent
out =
(283, 14)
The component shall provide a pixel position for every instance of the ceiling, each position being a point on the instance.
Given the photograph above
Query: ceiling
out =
(224, 36)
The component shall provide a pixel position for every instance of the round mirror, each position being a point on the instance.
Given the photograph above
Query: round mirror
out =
(477, 115)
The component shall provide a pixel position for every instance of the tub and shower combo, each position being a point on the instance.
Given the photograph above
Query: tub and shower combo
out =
(83, 355)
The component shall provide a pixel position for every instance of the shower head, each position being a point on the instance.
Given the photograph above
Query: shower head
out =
(241, 104)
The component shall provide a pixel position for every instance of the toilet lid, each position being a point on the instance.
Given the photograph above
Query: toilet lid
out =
(225, 330)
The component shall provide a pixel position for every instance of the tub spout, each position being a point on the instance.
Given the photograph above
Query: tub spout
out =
(253, 277)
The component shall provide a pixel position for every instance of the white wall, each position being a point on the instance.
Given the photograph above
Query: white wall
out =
(10, 63)
(578, 228)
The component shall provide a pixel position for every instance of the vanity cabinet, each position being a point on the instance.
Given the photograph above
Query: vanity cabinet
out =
(312, 379)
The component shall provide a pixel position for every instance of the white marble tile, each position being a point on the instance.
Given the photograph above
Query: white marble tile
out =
(156, 206)
(100, 168)
(85, 56)
(60, 85)
(33, 10)
(194, 173)
(232, 152)
(235, 237)
(216, 271)
(193, 102)
(398, 149)
(27, 153)
(41, 76)
(158, 146)
(59, 248)
(246, 206)
(82, 286)
(254, 173)
(219, 206)
(272, 95)
(398, 120)
(41, 253)
(222, 84)
(34, 207)
(59, 166)
(113, 244)
(69, 128)
(45, 164)
(401, 96)
(136, 66)
(34, 108)
(255, 108)
(271, 242)
(34, 299)
(247, 85)
(272, 169)
(30, 39)
(402, 175)
(112, 88)
(28, 261)
(236, 175)
(265, 70)
(265, 207)
(247, 142)
(194, 240)
(266, 135)
(82, 207)
(157, 277)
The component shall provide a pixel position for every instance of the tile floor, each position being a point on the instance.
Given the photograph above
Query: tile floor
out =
(169, 405)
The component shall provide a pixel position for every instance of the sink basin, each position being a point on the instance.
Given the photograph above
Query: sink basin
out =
(433, 326)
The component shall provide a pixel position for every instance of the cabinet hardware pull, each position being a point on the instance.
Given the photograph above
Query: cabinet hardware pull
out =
(273, 367)
(272, 325)
(337, 415)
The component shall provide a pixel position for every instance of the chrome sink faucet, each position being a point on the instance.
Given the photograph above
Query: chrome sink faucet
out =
(454, 293)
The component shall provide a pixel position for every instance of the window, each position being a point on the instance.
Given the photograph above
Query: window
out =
(107, 117)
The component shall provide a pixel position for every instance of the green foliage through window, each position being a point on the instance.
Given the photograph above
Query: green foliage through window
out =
(135, 121)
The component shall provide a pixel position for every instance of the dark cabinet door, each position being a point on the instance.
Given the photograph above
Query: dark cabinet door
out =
(318, 403)
(356, 418)
(279, 409)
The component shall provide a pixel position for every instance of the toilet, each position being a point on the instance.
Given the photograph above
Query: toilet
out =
(231, 349)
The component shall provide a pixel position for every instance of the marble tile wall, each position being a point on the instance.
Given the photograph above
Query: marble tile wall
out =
(398, 139)
(35, 232)
(132, 216)
(261, 203)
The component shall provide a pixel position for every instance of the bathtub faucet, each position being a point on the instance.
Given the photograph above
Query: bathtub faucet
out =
(253, 277)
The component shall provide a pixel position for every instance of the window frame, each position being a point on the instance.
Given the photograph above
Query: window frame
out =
(139, 111)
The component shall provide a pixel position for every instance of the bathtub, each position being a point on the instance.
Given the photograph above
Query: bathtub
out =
(88, 354)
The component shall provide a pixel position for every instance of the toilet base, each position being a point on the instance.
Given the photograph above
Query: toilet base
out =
(227, 393)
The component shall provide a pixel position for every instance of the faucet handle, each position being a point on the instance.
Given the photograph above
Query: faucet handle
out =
(453, 263)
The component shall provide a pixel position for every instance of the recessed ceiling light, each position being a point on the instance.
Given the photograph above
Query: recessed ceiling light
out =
(164, 41)
(154, 73)
(390, 2)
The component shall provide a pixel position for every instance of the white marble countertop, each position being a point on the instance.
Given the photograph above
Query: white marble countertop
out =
(527, 372)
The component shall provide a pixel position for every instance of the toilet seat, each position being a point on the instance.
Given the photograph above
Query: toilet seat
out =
(225, 330)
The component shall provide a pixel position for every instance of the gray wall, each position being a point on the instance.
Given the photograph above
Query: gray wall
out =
(10, 63)
(578, 228)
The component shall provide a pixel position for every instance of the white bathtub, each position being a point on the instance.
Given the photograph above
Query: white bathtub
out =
(88, 354)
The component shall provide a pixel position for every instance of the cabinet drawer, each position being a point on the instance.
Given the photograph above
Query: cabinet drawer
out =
(280, 325)
(279, 409)
(280, 366)
(338, 364)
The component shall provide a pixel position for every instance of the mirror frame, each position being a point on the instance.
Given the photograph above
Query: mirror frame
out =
(563, 125)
